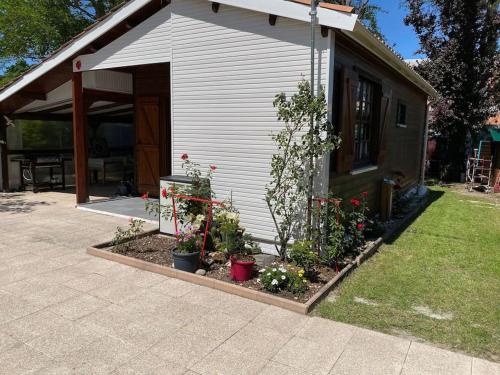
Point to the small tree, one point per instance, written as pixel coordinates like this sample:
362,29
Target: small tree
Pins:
286,194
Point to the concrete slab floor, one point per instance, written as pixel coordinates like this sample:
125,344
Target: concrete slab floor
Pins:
64,312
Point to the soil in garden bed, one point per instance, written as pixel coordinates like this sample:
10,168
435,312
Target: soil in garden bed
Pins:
157,248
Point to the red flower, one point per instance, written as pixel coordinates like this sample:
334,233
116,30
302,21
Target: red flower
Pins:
360,226
355,202
397,187
184,156
164,192
213,167
364,194
145,196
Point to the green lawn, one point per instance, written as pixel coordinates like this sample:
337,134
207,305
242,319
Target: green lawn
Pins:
446,263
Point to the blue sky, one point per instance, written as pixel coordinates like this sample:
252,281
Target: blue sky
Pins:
401,37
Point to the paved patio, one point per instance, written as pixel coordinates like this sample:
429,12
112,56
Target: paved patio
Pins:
65,312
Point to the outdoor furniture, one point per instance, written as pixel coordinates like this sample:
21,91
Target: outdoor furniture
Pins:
30,166
97,165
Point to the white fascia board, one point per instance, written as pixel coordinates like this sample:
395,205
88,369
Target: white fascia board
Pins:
84,40
365,38
297,11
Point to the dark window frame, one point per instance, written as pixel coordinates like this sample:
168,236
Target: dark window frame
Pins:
366,126
401,104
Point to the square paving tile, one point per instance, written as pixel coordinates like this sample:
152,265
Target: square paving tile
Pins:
149,364
79,306
7,342
51,296
483,367
308,356
257,341
88,282
217,325
29,327
183,348
275,368
117,292
64,340
281,320
174,287
427,360
13,307
101,357
221,362
22,360
372,353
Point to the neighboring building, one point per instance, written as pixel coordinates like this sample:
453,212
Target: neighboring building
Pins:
199,77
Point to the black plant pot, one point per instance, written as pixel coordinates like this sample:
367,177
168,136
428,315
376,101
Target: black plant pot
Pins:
187,262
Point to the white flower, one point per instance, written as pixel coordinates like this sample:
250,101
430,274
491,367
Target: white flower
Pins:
262,270
233,216
282,270
269,274
274,269
274,282
200,218
283,277
258,280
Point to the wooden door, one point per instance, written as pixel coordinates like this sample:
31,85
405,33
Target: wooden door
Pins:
147,125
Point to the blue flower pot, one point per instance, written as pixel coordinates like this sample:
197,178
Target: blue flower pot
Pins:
188,262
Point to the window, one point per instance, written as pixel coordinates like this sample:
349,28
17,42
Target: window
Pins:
364,125
401,115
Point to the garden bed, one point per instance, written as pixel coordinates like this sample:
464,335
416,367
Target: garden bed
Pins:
151,251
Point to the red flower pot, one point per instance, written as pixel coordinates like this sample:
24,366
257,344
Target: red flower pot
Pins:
241,270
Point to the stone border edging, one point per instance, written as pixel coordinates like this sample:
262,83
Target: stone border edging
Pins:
301,308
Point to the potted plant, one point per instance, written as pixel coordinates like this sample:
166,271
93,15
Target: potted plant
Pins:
236,244
186,254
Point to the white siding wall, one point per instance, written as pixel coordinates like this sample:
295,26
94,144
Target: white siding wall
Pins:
226,69
147,43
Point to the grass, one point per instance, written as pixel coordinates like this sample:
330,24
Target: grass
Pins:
447,262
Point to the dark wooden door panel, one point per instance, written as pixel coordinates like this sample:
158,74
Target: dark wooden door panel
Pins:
148,144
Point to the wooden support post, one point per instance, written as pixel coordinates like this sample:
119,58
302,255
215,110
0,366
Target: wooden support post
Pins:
80,140
4,155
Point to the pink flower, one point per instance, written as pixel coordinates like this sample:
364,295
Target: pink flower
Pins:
164,192
213,167
360,226
130,220
145,196
184,156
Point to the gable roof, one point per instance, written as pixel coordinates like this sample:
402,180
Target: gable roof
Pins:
339,17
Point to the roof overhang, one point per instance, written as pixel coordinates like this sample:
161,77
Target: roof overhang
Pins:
368,40
73,48
298,11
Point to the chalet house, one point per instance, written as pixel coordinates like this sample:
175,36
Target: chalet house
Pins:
199,77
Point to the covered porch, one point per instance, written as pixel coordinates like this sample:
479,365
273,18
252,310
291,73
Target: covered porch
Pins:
99,119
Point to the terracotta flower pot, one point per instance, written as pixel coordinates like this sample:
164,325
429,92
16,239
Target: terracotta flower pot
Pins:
188,262
241,270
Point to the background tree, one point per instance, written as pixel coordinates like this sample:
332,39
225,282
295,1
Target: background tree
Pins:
460,40
367,13
31,30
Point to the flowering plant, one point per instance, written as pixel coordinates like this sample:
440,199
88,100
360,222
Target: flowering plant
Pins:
355,221
277,277
188,240
123,237
301,253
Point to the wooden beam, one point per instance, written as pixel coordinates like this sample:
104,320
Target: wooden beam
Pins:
80,139
43,116
94,95
33,95
103,107
4,154
57,108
